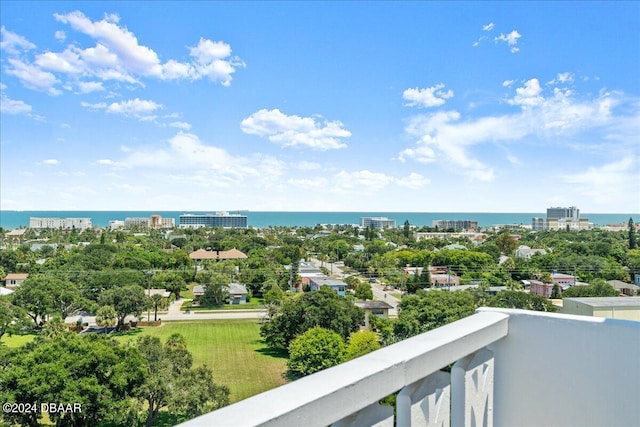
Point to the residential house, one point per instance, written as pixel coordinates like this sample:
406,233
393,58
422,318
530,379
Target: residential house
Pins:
563,279
237,293
162,292
377,308
444,280
540,288
626,289
315,283
13,280
526,252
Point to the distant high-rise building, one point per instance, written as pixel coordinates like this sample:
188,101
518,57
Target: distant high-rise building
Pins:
380,222
561,218
557,213
220,219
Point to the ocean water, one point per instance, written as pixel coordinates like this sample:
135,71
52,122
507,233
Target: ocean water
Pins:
17,219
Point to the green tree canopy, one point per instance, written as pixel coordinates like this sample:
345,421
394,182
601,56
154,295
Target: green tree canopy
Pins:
323,308
171,381
214,284
314,350
361,343
106,316
44,295
427,310
125,300
364,292
172,281
599,288
94,371
13,319
521,300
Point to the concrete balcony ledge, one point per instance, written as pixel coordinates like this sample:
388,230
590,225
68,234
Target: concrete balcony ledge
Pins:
512,367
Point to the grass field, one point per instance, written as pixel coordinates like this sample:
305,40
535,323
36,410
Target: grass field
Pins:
232,348
16,340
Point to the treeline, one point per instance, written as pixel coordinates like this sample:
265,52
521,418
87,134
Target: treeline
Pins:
100,382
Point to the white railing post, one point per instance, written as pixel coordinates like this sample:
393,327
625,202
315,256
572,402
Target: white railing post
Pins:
472,390
425,403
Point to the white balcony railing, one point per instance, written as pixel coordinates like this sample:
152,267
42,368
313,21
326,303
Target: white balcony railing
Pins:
511,368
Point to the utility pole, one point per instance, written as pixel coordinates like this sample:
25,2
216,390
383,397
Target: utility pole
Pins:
148,273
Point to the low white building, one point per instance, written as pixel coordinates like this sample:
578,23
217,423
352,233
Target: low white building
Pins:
60,223
626,308
526,252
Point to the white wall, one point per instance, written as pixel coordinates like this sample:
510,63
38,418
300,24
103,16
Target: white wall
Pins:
564,370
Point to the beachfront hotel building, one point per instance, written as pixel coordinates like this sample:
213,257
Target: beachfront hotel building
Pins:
456,224
379,222
561,218
220,219
154,221
60,223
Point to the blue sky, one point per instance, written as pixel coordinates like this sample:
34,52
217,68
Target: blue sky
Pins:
325,106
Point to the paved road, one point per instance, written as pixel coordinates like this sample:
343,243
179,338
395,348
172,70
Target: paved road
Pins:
176,313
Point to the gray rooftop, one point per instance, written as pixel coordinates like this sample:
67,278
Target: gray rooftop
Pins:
373,304
608,301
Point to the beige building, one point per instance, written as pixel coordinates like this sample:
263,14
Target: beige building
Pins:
626,308
13,280
376,308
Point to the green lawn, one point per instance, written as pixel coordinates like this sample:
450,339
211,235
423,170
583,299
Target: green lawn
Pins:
232,348
16,340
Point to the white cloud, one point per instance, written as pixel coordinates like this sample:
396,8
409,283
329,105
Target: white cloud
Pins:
33,77
118,55
295,131
96,106
210,61
180,125
563,78
123,43
609,182
363,181
413,181
426,97
307,166
513,160
138,108
133,107
488,27
444,137
186,152
510,39
11,106
507,83
88,87
51,162
529,94
13,43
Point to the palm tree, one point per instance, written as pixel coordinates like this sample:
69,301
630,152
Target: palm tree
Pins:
106,316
